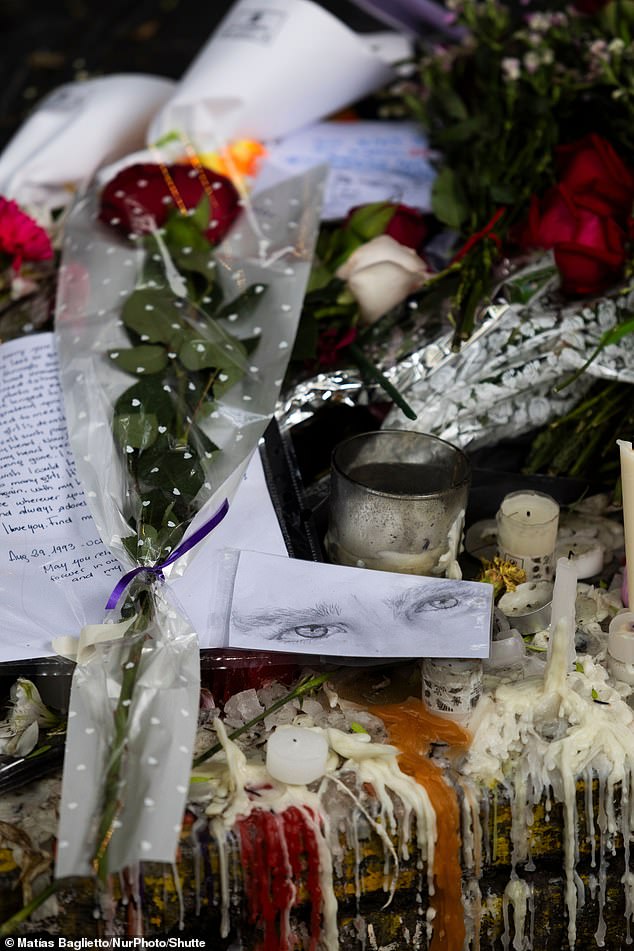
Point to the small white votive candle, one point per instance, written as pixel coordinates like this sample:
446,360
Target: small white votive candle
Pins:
620,653
527,525
296,756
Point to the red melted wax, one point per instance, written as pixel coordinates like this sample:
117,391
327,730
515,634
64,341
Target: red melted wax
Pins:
279,849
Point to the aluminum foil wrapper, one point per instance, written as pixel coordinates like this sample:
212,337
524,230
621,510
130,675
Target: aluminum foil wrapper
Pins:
504,379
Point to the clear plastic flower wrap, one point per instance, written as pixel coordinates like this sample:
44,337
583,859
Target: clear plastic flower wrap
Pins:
172,353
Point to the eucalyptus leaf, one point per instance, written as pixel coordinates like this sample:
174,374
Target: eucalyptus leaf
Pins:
140,360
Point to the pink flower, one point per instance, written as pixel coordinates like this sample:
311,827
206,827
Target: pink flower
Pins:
20,237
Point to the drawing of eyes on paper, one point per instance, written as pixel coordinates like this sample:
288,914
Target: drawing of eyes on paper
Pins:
330,610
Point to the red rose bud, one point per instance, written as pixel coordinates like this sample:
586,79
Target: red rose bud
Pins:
408,227
139,198
589,249
596,178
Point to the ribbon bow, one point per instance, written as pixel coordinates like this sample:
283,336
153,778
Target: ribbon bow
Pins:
179,551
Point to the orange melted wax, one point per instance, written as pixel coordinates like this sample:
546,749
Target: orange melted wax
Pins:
413,728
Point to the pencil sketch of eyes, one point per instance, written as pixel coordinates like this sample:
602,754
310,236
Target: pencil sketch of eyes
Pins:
295,624
420,600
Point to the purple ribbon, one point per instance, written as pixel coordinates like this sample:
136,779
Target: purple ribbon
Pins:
178,552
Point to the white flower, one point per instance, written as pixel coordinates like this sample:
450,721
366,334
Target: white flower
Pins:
531,62
380,274
511,68
19,733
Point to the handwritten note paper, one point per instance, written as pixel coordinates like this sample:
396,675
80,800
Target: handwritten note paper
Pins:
51,553
368,161
55,571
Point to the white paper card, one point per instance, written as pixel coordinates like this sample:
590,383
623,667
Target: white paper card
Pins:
368,161
272,66
307,607
55,572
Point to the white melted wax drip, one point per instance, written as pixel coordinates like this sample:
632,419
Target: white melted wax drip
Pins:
538,738
232,778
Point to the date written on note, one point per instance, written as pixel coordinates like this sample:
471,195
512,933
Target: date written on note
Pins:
68,561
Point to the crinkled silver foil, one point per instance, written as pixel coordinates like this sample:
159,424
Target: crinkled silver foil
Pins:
504,380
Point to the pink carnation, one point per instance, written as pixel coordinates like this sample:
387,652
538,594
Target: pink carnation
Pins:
20,237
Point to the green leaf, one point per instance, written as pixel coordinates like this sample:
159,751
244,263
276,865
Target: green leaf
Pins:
140,360
243,305
153,313
148,395
199,354
357,728
448,201
181,231
143,547
202,213
451,102
461,132
371,220
138,430
175,471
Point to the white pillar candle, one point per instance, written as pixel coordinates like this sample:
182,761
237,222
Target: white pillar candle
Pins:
627,489
296,756
527,532
562,617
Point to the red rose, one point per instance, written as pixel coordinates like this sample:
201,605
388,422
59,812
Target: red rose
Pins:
589,248
408,227
139,198
596,178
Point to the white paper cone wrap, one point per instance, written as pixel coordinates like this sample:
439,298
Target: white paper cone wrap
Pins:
75,130
271,67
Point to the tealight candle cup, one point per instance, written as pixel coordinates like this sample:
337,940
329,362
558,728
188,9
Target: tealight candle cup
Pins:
527,525
296,755
397,502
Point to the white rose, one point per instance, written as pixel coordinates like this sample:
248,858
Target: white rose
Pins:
380,274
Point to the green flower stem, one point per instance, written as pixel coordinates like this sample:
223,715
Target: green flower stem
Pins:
303,688
9,926
112,786
368,368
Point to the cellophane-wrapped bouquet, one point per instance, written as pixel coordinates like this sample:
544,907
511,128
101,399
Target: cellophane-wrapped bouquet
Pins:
177,308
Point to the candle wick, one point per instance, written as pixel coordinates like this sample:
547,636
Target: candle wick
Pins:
571,554
528,515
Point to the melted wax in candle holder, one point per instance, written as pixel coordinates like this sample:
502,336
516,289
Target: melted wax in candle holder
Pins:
397,502
527,532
